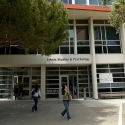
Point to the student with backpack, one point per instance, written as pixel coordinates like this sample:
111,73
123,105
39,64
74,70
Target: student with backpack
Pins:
66,98
35,94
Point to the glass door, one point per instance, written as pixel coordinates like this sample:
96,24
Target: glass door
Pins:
26,87
15,81
64,80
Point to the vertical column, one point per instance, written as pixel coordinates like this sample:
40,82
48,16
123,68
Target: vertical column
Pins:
75,38
122,35
73,1
87,2
43,76
92,48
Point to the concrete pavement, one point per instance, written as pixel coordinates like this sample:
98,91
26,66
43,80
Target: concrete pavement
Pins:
89,112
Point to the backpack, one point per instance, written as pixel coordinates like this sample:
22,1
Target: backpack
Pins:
33,92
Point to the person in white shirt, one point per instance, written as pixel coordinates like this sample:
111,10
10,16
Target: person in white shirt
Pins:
35,93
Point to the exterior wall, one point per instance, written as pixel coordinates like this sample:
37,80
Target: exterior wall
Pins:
74,60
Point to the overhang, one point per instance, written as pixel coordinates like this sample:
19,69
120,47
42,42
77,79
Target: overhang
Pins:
76,11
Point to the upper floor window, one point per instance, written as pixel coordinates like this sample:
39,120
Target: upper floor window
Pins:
83,46
80,1
98,2
67,1
106,40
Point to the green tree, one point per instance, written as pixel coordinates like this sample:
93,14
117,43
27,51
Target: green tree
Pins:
104,2
117,14
33,24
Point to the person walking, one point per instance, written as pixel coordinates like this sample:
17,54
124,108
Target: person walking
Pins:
16,91
20,91
66,94
35,93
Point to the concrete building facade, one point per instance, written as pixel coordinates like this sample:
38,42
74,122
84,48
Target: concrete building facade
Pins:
93,57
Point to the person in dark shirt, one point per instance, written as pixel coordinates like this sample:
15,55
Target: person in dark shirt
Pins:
20,90
16,91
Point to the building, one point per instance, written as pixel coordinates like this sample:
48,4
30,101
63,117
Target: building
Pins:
93,48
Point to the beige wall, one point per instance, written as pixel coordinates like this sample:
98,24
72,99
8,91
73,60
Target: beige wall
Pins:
58,59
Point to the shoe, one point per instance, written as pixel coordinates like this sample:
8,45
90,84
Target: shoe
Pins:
62,115
69,119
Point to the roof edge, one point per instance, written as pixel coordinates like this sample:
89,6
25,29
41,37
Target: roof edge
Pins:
87,7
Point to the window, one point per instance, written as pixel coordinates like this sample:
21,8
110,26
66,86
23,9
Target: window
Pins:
80,1
68,44
82,40
106,40
118,74
67,1
93,2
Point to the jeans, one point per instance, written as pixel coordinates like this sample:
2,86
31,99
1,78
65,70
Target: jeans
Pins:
66,110
16,95
36,102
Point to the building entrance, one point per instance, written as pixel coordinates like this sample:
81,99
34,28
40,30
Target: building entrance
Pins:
25,80
71,82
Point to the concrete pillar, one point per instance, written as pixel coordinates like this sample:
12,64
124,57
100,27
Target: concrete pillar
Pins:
122,36
43,78
87,2
92,48
73,1
75,38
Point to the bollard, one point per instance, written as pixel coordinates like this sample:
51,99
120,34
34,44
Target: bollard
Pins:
84,91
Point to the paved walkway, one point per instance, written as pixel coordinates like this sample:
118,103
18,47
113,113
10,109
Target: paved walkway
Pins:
82,112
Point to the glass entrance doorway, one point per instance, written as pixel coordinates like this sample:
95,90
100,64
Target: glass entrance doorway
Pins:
25,80
26,87
64,80
73,87
71,82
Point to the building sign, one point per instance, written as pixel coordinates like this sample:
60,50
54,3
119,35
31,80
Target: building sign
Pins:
68,59
105,78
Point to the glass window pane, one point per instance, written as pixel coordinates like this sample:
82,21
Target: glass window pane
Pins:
111,33
52,68
97,33
64,50
82,33
83,50
114,49
104,49
80,1
9,69
102,66
103,33
70,21
104,90
81,21
116,65
113,42
98,21
71,50
86,43
98,49
68,68
64,1
93,2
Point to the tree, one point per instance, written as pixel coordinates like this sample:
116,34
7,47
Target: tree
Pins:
117,14
104,2
33,24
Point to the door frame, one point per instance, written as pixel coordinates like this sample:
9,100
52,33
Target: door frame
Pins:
27,88
60,85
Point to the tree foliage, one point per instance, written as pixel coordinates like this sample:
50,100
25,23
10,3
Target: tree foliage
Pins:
33,24
104,2
117,14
